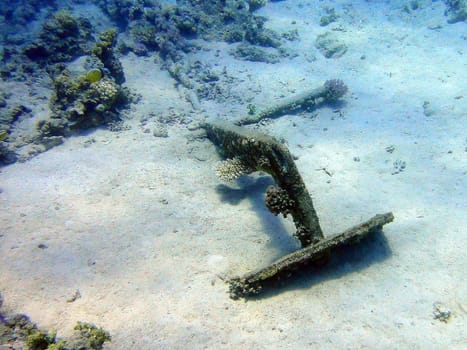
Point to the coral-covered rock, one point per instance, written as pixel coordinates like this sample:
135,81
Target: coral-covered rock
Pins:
254,53
330,45
78,103
63,37
20,13
256,4
456,10
104,50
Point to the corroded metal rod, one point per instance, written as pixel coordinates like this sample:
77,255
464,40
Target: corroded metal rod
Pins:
258,151
264,153
331,91
252,283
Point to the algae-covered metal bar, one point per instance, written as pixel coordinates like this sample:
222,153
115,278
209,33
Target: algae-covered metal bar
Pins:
260,152
331,91
252,283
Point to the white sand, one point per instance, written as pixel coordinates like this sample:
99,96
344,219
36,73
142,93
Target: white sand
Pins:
143,229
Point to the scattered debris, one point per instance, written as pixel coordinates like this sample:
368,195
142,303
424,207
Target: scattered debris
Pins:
441,312
428,109
398,167
328,173
76,295
329,17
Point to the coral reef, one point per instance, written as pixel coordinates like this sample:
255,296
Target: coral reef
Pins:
257,34
39,340
254,53
104,50
63,38
9,114
77,103
124,11
85,101
18,332
456,10
166,28
19,13
82,100
256,4
151,26
89,336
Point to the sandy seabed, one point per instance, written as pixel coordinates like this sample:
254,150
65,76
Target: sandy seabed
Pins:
145,231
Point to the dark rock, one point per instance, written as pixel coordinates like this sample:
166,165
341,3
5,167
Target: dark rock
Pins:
456,10
330,45
20,13
329,17
335,89
256,34
52,141
79,104
63,38
255,54
104,50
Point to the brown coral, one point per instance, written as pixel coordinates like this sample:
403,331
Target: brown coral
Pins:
335,89
278,201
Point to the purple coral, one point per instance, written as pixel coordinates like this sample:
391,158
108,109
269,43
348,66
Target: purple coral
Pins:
335,89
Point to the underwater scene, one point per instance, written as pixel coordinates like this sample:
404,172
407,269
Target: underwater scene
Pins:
233,174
